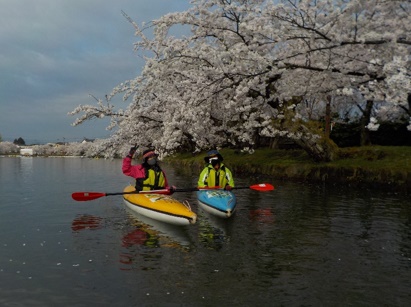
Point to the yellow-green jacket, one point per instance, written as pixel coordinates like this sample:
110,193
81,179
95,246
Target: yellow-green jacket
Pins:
211,178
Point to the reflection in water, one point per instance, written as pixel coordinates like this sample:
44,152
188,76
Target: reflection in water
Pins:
86,221
171,235
25,172
136,237
212,231
134,241
142,244
263,215
26,165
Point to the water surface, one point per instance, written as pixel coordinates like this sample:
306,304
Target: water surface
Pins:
300,245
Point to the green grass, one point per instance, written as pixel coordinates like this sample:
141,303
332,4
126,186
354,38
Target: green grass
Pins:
376,157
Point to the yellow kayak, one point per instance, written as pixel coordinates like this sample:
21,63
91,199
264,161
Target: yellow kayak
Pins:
159,207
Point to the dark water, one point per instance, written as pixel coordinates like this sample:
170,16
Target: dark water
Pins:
299,245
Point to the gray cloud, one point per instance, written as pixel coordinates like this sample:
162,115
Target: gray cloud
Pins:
53,53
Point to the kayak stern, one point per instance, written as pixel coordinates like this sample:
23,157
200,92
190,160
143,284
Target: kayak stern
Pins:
220,203
160,207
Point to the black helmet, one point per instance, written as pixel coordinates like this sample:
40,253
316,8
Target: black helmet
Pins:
213,154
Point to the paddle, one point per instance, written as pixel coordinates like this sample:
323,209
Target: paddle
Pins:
86,196
257,187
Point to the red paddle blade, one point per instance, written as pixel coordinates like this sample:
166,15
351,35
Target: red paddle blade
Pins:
85,196
262,187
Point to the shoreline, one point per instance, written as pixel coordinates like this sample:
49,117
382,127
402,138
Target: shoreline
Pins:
355,177
387,168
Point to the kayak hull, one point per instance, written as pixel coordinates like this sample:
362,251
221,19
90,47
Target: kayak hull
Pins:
220,203
159,207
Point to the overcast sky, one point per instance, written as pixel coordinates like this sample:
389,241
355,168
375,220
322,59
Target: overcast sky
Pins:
54,53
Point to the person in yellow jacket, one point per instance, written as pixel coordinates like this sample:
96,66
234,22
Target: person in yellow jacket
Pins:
215,173
148,175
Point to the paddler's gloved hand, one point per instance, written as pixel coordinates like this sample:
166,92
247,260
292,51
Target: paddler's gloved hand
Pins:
172,189
228,187
132,151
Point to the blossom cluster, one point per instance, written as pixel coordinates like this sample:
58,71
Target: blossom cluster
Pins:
242,69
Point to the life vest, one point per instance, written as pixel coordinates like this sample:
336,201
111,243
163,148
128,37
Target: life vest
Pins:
216,178
154,179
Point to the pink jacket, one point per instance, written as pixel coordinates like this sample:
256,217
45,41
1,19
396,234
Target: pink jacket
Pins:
136,171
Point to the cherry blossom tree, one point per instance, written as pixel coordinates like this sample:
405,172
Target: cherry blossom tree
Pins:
245,68
8,148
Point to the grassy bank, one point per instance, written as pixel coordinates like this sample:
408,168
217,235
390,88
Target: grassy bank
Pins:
373,166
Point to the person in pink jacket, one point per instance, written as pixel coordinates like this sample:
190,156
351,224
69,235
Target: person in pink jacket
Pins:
148,174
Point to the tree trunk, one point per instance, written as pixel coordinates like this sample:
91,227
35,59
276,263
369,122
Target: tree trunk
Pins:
256,139
365,139
327,130
321,149
274,142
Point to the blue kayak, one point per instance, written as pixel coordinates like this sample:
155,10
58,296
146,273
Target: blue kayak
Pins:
217,202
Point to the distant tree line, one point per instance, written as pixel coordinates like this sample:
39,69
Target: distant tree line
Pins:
19,142
85,149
